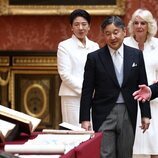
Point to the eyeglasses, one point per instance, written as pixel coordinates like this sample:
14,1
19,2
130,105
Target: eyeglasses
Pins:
140,22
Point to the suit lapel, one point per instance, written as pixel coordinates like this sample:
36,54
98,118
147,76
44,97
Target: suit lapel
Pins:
106,60
128,60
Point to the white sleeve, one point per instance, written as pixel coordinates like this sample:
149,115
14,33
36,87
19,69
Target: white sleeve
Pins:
64,69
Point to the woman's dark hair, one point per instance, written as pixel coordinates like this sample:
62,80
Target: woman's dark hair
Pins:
117,21
81,13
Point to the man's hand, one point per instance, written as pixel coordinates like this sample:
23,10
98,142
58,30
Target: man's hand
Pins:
145,124
143,94
86,125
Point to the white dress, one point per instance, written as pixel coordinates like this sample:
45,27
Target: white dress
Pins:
147,143
71,59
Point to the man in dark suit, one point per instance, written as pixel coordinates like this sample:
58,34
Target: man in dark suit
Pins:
108,89
146,93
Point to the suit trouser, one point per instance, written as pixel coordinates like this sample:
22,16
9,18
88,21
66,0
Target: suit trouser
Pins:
118,135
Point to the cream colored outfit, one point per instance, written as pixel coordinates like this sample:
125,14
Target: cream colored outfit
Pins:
147,143
71,58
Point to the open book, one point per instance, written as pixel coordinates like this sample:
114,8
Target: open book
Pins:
25,123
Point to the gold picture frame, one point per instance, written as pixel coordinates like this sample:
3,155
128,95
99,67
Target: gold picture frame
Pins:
94,7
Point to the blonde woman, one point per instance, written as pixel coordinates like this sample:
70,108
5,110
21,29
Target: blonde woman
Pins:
142,28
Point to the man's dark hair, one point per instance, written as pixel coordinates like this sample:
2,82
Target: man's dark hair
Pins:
117,21
80,12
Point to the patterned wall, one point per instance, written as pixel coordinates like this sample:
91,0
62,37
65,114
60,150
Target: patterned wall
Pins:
45,32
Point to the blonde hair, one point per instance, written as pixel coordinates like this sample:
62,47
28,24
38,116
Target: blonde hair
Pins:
147,17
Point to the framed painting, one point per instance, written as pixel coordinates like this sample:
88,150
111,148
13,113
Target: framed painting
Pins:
61,7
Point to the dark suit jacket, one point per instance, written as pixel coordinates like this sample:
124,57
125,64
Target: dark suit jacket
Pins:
101,89
154,89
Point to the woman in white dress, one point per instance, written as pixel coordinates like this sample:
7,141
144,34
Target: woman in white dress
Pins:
142,28
71,58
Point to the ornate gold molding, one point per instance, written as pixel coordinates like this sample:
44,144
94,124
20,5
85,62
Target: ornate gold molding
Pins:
29,82
4,61
25,71
34,61
29,96
6,9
